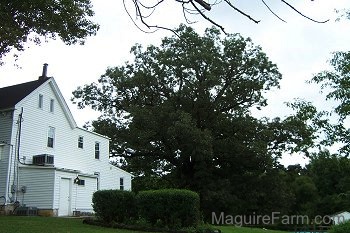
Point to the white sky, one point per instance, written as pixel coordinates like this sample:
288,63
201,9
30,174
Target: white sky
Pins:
300,48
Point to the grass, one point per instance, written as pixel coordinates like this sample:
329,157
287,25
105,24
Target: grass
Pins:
15,224
232,229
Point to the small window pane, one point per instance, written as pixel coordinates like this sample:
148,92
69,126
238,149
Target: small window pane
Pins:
97,180
51,137
121,183
97,150
81,142
41,101
52,105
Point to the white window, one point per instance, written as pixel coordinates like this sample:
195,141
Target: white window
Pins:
97,180
51,137
81,142
52,105
41,101
121,183
97,150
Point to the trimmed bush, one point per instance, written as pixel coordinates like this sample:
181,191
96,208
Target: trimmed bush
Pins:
341,228
173,208
114,205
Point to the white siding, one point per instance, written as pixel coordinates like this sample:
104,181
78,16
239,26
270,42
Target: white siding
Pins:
81,196
6,119
110,178
40,187
35,125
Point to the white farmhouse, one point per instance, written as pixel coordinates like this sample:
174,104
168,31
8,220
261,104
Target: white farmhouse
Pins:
46,161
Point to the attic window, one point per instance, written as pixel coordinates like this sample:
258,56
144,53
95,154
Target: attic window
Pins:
41,101
52,105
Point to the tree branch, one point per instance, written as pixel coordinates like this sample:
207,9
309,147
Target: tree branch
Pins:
241,12
303,14
204,4
273,12
207,18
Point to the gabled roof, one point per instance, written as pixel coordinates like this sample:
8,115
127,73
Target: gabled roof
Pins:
11,95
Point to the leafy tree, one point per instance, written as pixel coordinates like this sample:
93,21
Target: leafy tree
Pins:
336,84
306,196
37,20
330,174
181,111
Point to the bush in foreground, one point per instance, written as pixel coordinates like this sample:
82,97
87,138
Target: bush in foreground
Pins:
114,205
341,228
173,208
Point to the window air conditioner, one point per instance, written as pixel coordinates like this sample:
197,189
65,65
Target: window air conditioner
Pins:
43,159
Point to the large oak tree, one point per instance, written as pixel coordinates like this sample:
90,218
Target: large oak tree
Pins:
181,111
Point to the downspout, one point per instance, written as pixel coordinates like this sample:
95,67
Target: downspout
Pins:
20,118
9,168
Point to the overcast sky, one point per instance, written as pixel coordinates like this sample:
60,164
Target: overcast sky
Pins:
300,48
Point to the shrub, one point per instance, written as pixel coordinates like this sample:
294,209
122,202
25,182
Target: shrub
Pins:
174,208
341,228
114,205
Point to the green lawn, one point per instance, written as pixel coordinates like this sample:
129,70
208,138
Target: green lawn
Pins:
231,229
14,224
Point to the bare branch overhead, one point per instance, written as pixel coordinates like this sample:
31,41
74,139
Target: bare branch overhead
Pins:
144,10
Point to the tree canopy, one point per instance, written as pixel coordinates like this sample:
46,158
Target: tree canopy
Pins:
335,85
35,20
181,111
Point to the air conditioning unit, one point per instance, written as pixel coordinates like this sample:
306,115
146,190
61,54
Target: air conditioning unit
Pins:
43,159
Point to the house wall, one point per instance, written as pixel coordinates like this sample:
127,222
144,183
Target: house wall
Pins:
35,125
111,179
6,119
81,195
67,156
39,187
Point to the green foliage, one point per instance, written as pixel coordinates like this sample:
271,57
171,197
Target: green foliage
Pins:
150,182
340,228
114,205
173,208
330,174
36,20
181,112
306,196
335,84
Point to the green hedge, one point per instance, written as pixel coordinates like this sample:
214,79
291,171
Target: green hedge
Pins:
114,205
173,208
341,228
